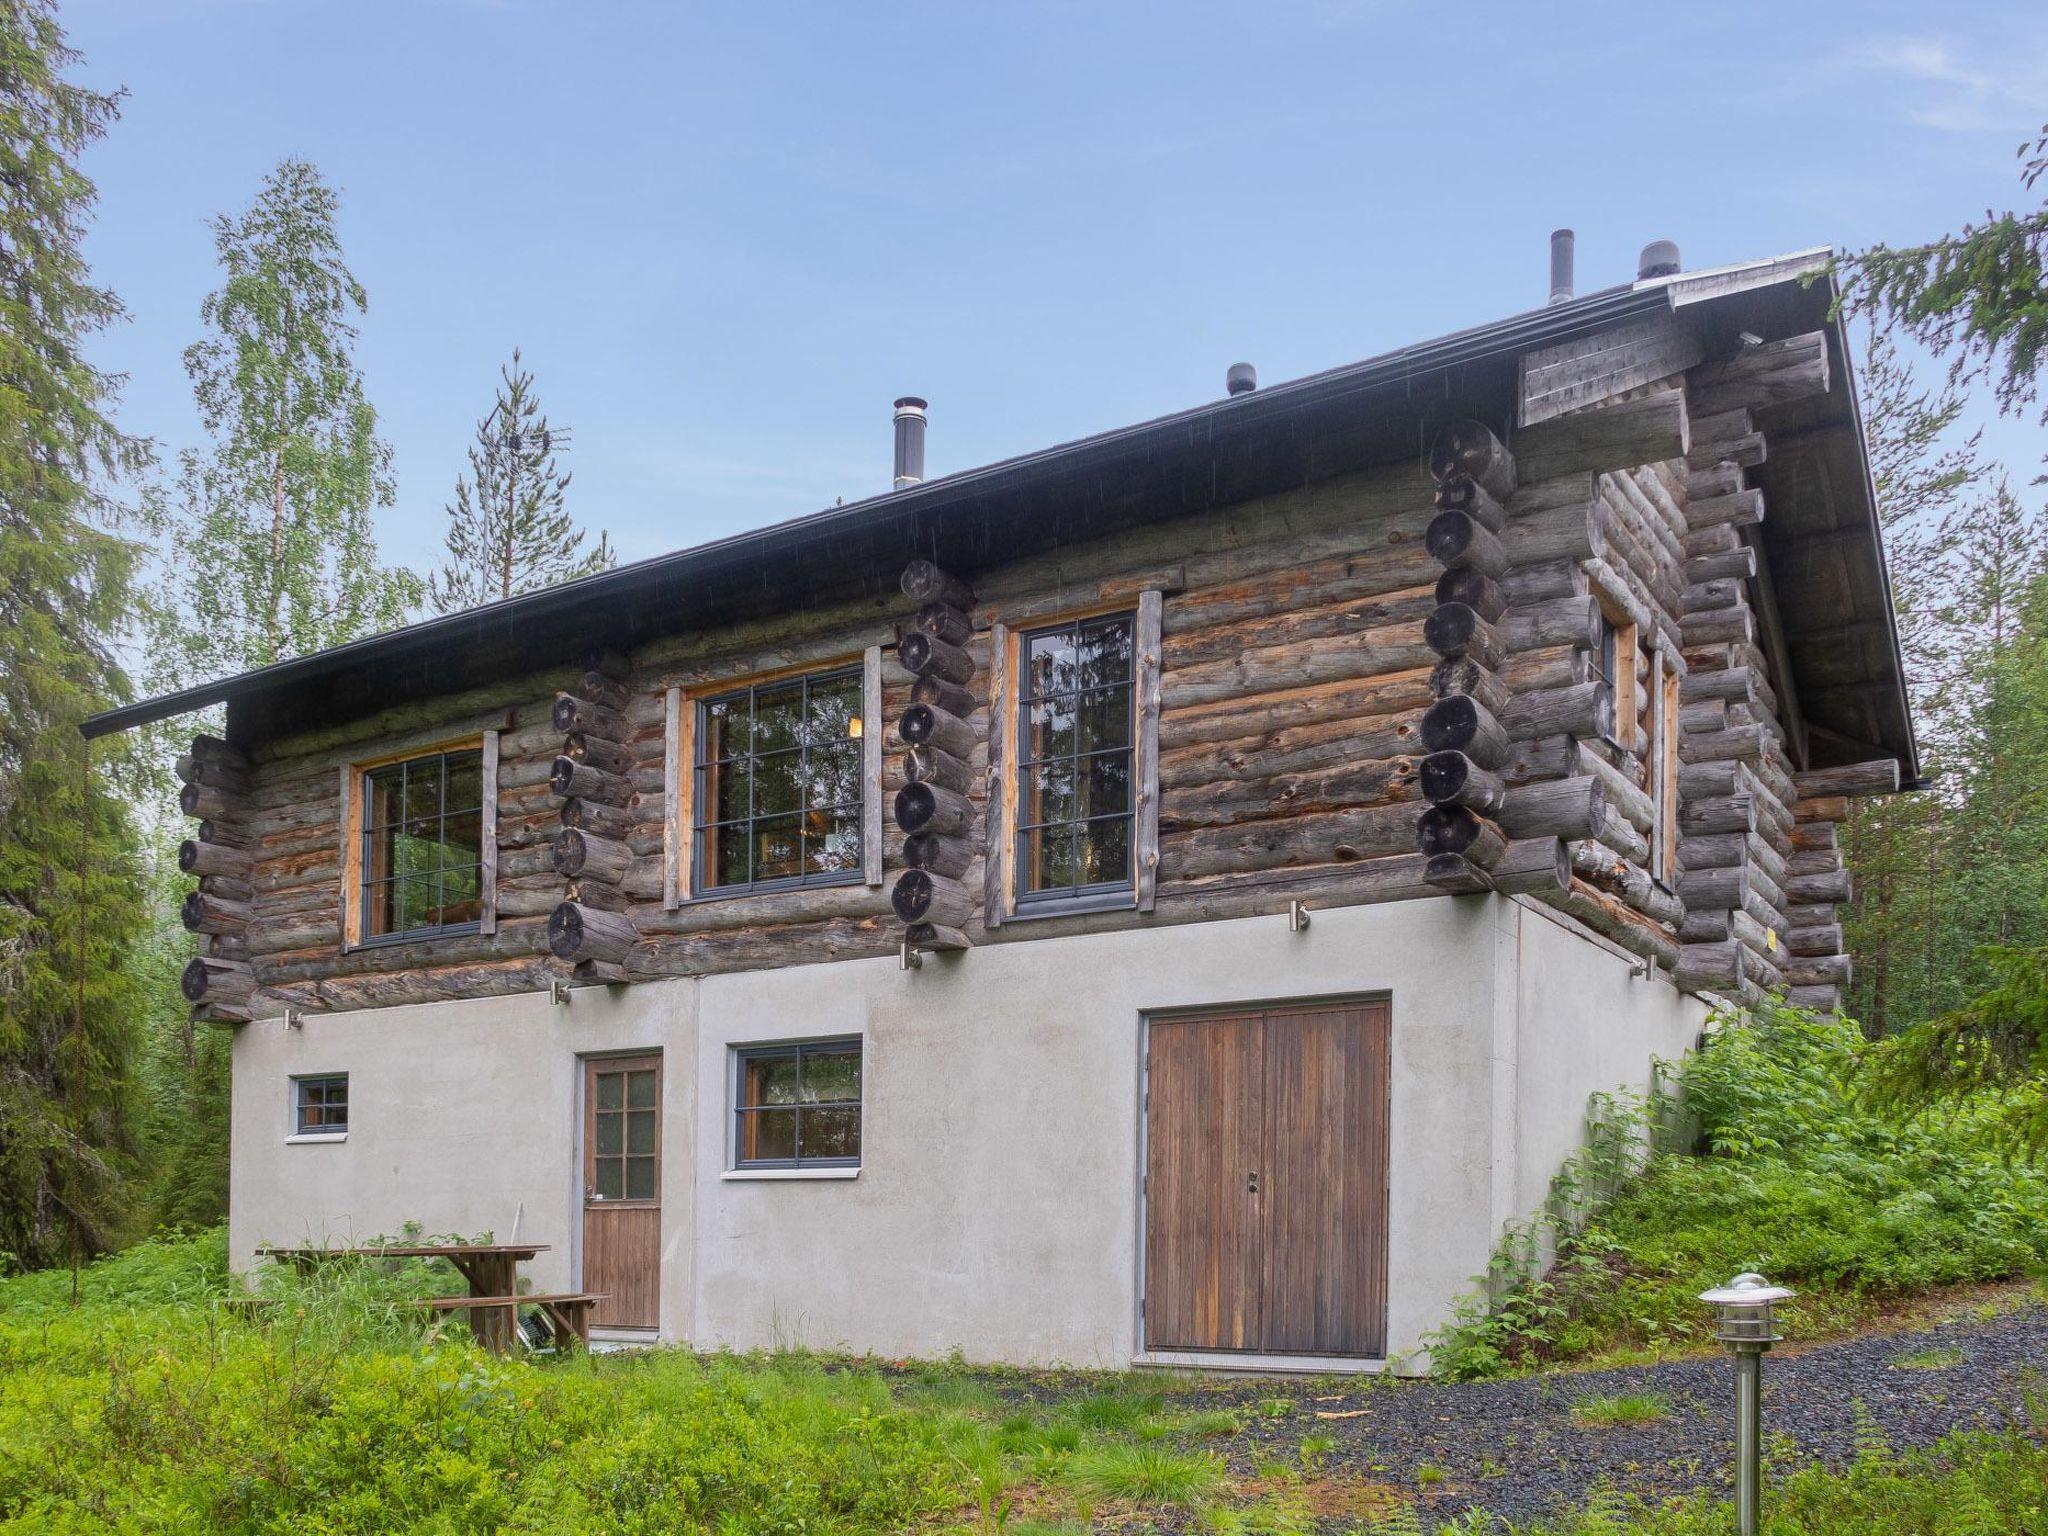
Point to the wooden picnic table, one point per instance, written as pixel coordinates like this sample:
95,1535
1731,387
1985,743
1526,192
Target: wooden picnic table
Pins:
492,1270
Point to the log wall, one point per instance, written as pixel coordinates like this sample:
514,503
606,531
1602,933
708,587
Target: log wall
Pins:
1377,687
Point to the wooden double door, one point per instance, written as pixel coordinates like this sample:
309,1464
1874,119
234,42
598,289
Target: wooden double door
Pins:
622,1189
1266,1181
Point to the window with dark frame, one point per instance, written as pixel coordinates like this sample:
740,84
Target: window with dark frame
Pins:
1075,734
320,1105
778,785
422,854
798,1106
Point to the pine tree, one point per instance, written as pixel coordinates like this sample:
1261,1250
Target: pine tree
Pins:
508,528
275,554
71,910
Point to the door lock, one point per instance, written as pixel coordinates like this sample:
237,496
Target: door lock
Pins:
1252,1182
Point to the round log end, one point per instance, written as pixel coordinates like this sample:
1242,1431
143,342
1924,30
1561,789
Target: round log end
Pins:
564,713
194,980
193,912
569,852
188,854
1444,775
562,775
915,806
1449,629
1448,536
188,799
912,895
916,724
915,651
1450,723
565,931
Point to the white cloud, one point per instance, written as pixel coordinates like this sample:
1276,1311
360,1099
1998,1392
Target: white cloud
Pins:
1956,90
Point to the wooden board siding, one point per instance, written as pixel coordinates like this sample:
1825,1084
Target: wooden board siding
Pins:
1266,1182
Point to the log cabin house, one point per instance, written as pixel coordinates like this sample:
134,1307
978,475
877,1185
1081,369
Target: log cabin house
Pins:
1167,898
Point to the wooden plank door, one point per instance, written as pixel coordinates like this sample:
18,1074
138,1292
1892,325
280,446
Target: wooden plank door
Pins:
1266,1182
1205,1094
622,1189
1323,1183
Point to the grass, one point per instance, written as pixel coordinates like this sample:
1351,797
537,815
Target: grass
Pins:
1929,1360
1625,1409
1146,1474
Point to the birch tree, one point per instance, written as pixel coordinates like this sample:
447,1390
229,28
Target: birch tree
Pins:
275,553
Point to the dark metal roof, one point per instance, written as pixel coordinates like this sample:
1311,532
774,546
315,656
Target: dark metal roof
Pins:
1226,451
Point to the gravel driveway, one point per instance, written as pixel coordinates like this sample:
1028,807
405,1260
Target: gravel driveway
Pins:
1516,1448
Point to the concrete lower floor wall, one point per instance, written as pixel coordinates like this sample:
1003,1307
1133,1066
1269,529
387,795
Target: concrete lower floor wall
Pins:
998,1208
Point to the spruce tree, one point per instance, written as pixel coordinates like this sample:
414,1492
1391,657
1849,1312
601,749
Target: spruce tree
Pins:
71,907
508,528
275,553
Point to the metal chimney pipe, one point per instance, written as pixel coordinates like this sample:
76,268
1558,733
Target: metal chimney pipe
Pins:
1241,378
1659,259
1562,245
910,423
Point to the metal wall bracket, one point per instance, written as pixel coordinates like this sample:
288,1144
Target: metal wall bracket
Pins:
293,1019
1297,917
558,992
911,957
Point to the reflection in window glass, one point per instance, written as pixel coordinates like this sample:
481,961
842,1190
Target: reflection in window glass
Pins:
423,843
1075,724
320,1105
799,1105
779,784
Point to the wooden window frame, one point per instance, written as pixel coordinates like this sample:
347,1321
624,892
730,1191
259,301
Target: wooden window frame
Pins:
682,867
1004,897
326,1080
832,1045
354,784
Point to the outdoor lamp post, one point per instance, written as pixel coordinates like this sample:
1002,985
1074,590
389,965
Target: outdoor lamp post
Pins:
1745,1322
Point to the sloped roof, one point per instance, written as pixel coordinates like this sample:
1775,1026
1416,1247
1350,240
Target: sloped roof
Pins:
1215,454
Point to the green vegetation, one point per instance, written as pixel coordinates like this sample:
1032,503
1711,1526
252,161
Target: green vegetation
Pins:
1782,1162
1627,1408
1929,1360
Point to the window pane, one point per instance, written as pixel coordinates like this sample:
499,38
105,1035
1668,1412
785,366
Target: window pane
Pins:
830,1076
465,781
1104,653
462,838
461,895
640,1089
416,900
1106,784
830,1133
1106,718
778,784
1049,857
611,1135
1049,792
728,787
1053,664
422,799
611,1090
831,776
1051,729
639,1178
832,842
1105,852
778,852
778,718
770,1080
611,1178
640,1131
380,806
768,1135
725,858
834,707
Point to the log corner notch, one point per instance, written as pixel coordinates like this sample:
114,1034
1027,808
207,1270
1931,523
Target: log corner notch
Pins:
593,778
219,982
932,808
1474,475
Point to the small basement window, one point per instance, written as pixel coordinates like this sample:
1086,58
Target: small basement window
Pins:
422,842
320,1105
798,1106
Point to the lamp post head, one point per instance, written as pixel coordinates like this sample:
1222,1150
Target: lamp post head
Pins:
1744,1312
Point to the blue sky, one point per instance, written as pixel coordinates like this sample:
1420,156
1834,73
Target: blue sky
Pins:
726,237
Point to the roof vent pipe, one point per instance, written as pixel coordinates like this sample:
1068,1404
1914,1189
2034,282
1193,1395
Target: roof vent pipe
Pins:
910,422
1241,378
1659,259
1562,243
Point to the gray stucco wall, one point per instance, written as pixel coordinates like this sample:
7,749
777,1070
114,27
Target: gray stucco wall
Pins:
997,1208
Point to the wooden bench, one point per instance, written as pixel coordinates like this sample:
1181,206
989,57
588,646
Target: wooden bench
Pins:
568,1313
